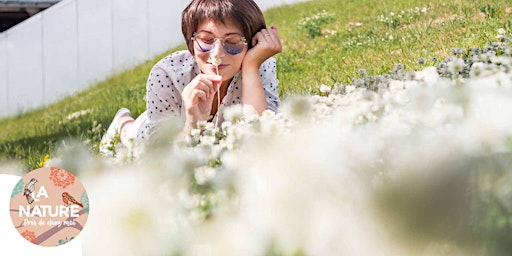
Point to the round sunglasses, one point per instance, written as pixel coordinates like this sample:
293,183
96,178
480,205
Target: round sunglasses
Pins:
232,44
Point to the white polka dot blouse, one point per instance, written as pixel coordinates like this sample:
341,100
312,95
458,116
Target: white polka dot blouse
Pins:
169,77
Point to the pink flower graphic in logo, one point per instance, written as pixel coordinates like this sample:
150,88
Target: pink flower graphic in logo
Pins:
29,235
61,178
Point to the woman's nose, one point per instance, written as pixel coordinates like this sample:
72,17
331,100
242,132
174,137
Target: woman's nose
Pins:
217,50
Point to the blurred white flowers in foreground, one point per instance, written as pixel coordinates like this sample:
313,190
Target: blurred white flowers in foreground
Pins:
419,166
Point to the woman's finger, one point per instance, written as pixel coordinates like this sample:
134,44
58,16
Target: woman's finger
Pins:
205,87
208,86
269,38
211,81
203,82
276,42
197,94
275,36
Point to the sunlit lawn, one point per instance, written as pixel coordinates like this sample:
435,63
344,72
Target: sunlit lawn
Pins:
360,35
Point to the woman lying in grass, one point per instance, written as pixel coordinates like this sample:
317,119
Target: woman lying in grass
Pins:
228,61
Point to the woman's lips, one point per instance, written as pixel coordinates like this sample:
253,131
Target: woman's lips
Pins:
221,66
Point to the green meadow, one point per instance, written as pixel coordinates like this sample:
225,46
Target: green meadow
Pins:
324,42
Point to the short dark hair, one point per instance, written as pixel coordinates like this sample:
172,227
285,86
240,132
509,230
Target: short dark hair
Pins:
244,13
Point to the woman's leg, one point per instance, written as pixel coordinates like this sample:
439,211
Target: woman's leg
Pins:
113,134
125,124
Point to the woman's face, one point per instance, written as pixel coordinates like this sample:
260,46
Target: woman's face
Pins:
230,64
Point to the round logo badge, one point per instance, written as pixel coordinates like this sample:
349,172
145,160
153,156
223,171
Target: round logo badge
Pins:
49,206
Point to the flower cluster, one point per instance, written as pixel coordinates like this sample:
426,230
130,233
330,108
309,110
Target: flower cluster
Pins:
410,163
43,161
362,40
314,24
476,62
464,63
394,20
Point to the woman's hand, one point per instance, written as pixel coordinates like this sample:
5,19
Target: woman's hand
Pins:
266,43
198,97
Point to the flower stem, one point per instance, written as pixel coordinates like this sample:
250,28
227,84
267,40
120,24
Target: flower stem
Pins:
217,62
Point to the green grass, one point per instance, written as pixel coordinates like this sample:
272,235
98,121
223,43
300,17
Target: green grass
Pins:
305,63
308,62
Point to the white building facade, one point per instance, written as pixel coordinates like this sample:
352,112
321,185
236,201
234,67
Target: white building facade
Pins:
77,43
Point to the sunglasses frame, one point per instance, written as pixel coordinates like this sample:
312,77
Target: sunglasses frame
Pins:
222,40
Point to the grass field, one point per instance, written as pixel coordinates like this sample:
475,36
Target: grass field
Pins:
325,42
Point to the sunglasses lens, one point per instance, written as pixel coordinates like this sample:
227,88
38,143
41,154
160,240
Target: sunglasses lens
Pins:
233,45
234,49
203,47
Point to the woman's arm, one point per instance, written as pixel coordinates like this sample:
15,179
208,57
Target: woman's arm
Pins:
253,95
163,101
266,43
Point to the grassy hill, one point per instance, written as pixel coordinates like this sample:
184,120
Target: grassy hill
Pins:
325,42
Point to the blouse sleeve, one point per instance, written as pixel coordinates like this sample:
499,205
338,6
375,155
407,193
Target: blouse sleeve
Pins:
270,83
163,99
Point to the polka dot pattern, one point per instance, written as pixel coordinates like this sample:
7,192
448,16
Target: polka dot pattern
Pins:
170,75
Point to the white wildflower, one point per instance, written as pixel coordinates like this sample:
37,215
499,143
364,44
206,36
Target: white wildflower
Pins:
208,140
396,85
427,76
204,174
226,124
325,89
350,88
195,132
75,115
233,113
456,66
209,126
